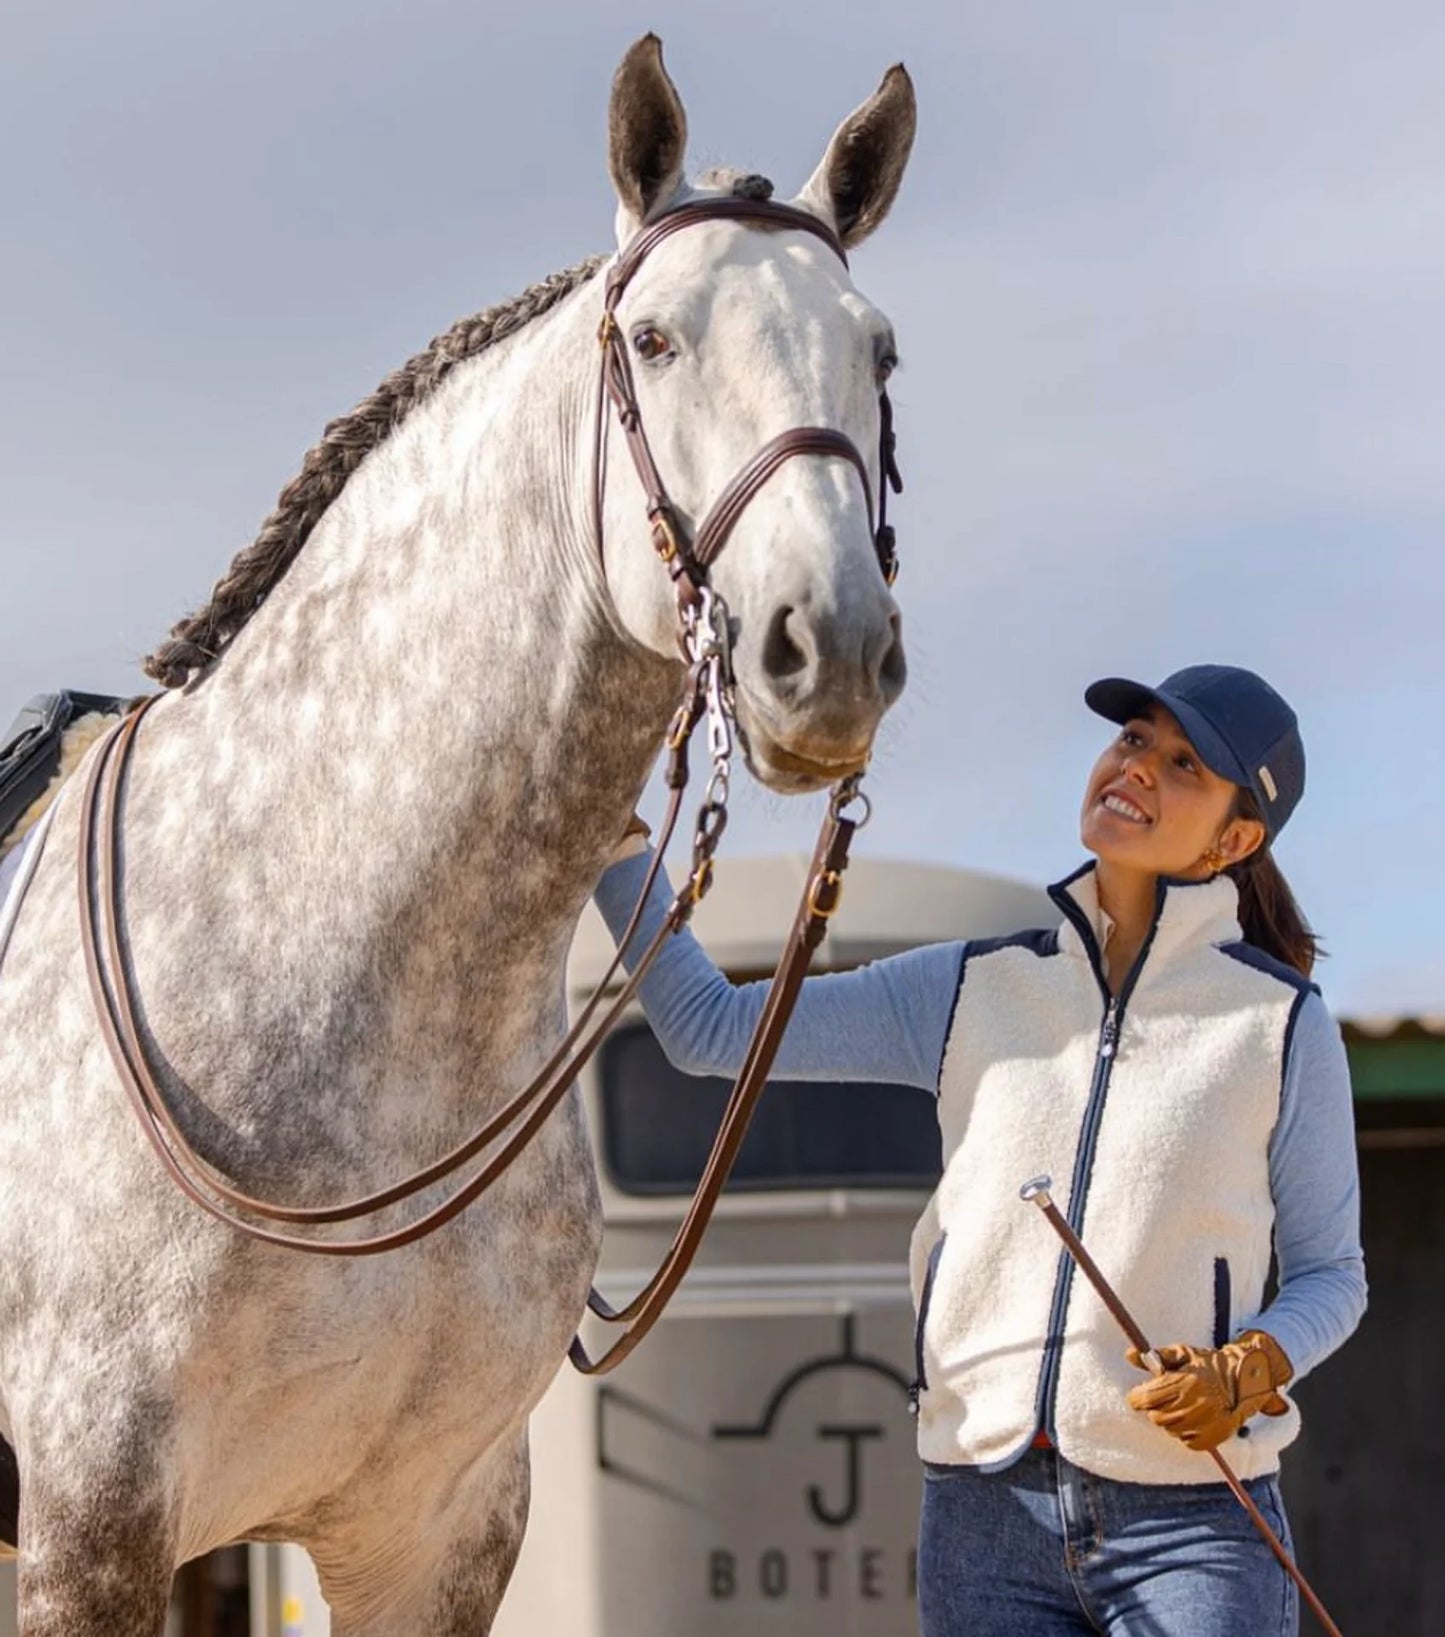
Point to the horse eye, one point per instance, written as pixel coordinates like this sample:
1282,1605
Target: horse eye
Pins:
886,366
651,344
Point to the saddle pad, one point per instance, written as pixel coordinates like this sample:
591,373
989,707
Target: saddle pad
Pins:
30,751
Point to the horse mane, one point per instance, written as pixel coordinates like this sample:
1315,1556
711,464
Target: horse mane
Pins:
197,640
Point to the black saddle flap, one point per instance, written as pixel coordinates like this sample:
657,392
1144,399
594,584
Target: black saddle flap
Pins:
30,751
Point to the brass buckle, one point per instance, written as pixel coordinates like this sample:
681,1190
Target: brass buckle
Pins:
681,730
830,881
664,537
609,329
701,881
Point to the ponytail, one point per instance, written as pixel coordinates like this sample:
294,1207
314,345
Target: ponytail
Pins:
1269,917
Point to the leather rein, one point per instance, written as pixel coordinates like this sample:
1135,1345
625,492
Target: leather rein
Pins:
708,694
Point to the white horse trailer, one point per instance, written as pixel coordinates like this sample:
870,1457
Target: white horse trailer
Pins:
750,1469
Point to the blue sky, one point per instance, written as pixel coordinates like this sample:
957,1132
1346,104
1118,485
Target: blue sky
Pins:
1169,282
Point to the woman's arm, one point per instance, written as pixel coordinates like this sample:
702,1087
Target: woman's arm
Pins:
886,1021
1314,1178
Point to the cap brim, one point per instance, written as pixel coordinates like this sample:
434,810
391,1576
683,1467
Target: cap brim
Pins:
1119,700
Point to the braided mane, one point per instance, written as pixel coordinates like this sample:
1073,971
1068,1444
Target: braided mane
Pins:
201,637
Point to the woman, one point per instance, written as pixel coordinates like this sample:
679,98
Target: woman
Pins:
1164,1056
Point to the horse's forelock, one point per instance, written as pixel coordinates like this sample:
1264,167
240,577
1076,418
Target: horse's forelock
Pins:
738,184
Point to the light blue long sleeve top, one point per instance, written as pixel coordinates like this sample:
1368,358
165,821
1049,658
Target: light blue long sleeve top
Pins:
889,1021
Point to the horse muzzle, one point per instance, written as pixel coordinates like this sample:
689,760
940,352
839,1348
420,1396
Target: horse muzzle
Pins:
792,760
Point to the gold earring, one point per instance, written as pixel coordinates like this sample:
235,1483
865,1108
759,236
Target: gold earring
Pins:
1213,860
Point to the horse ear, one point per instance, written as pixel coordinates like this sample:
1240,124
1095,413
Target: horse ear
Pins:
857,182
646,131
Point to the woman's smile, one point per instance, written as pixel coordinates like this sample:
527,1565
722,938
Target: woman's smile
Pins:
1116,801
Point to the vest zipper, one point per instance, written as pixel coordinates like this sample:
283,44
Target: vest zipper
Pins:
1083,1163
1113,1022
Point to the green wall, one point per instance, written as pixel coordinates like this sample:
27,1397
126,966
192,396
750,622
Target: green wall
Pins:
1412,1067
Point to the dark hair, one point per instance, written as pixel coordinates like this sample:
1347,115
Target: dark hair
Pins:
1268,914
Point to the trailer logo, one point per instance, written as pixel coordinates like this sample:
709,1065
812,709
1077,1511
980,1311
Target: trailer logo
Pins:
833,1514
798,1484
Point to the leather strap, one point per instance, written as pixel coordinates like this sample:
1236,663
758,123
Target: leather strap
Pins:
730,504
755,212
197,1179
98,881
825,882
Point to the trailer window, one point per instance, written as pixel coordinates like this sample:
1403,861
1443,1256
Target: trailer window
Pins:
658,1125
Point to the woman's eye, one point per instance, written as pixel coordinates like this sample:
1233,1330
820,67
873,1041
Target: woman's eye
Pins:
886,366
1187,763
650,344
1129,737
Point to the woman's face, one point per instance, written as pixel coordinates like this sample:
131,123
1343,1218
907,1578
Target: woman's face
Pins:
1152,805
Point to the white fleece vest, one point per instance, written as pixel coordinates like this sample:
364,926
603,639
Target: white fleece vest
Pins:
1159,1158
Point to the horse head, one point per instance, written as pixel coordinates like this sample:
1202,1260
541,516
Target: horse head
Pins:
733,336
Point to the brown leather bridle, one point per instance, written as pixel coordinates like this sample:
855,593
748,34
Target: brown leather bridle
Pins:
688,560
509,1130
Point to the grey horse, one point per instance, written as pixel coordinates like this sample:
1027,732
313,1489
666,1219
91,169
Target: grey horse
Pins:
356,841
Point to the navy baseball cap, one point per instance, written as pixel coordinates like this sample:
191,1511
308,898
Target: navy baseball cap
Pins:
1240,726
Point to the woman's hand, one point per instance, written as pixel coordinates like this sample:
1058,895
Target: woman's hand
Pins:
1206,1393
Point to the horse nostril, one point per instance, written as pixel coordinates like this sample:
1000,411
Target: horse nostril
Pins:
787,648
893,668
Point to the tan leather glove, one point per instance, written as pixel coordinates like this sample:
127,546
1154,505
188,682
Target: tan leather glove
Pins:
633,840
1206,1393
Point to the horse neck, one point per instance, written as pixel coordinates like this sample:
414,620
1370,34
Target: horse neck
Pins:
428,738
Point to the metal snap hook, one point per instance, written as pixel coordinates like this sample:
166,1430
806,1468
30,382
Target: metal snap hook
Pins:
844,797
717,789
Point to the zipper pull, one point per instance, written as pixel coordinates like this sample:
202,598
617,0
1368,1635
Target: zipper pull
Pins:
1109,1039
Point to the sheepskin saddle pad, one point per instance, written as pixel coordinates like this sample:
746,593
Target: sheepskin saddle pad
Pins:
42,748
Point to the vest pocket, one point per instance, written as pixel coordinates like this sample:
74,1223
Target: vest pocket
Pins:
1221,1301
930,1273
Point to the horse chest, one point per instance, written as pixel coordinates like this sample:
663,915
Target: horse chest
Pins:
407,1365
489,1295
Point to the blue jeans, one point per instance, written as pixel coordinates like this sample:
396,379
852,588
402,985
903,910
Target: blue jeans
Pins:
1045,1548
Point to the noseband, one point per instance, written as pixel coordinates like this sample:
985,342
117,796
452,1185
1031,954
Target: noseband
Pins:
689,559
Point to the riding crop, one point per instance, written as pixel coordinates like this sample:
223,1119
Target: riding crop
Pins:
1036,1192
